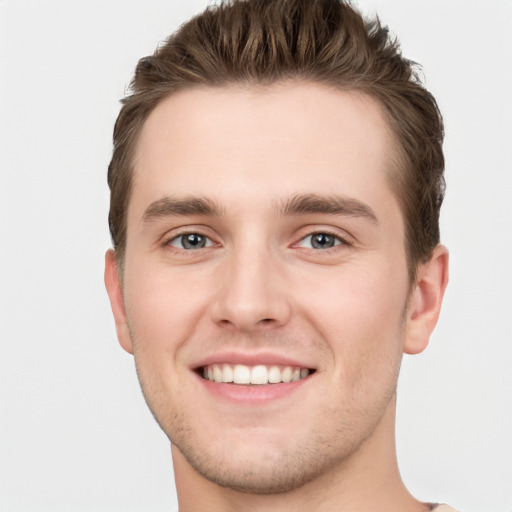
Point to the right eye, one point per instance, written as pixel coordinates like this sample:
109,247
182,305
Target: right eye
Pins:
321,241
190,241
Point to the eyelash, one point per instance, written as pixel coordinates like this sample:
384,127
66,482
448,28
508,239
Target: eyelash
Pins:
339,241
168,241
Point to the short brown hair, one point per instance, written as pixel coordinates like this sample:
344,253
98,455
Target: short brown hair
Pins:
317,41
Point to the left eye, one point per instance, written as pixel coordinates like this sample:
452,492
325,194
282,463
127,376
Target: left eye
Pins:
190,241
320,241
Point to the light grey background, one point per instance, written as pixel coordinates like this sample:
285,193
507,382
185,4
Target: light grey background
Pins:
75,434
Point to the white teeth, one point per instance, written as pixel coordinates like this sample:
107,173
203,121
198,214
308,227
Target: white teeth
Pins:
242,374
256,375
227,373
217,373
274,375
286,374
259,375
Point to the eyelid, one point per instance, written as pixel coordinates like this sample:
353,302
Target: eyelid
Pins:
173,234
209,242
344,238
337,241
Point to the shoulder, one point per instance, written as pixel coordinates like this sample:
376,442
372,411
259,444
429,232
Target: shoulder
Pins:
444,508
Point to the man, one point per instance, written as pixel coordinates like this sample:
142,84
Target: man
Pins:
275,184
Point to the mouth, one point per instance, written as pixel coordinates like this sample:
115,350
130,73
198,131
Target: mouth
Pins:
257,375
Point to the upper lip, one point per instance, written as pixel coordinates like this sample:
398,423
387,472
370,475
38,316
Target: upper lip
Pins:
251,359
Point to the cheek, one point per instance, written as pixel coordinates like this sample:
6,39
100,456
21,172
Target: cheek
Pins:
162,311
358,311
163,307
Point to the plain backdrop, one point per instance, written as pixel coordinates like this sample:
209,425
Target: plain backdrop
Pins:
75,433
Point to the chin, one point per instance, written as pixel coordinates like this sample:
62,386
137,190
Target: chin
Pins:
261,465
280,473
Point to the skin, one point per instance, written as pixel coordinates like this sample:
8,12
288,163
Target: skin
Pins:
260,287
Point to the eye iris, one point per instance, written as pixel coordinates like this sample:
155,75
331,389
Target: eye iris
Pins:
193,241
322,241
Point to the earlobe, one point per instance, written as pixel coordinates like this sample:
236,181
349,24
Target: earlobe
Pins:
115,294
425,301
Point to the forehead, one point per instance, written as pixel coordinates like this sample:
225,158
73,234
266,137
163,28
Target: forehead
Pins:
238,143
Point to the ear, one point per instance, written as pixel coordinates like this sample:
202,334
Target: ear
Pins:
115,294
425,301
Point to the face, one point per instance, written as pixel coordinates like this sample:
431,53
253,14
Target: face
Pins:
265,286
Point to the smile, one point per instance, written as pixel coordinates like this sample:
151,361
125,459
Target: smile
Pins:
253,375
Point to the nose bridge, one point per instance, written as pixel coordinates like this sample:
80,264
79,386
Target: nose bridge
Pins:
252,295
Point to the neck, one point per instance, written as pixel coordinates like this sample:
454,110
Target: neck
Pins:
368,480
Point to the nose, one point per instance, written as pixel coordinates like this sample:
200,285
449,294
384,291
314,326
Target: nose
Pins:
252,295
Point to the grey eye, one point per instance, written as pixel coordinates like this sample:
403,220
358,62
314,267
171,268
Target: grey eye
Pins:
320,241
191,241
323,241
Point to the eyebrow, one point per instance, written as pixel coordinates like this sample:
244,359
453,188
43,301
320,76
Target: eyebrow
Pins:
326,204
296,205
178,207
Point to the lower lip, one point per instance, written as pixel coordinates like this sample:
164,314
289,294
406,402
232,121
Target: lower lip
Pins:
255,394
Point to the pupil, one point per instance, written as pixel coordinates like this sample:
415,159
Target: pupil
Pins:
322,241
193,241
